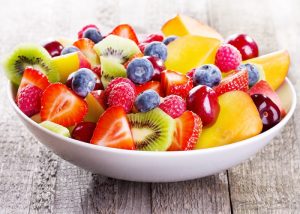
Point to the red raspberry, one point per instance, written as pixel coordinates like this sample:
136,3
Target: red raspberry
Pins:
190,74
122,95
173,105
80,33
153,38
29,100
116,81
228,58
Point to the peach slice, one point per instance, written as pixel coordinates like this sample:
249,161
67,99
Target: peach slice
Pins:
238,120
182,25
190,51
96,105
275,65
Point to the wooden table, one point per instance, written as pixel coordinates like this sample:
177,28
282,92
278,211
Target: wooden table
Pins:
34,180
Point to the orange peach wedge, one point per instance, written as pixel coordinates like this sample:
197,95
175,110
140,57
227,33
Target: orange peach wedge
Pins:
238,120
275,65
182,25
190,51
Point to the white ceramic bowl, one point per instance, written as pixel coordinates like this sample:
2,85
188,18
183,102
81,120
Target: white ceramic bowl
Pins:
156,166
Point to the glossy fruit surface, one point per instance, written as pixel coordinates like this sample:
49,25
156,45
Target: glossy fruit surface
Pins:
83,82
158,66
96,105
253,73
80,33
154,85
173,105
126,31
93,34
228,58
147,100
69,49
153,38
203,101
54,48
140,70
84,131
86,46
245,44
209,75
156,49
169,39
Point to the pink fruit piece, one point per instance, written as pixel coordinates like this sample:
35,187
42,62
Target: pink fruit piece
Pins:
116,81
228,58
173,105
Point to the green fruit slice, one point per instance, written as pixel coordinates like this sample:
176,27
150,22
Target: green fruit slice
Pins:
56,128
117,48
29,55
152,131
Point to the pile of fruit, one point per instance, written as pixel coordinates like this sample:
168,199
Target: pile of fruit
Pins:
186,89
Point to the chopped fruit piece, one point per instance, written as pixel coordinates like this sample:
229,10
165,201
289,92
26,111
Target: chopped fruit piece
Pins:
147,100
80,33
122,95
275,66
191,51
86,46
176,83
156,49
228,58
113,130
191,73
245,44
125,31
262,87
93,34
54,48
116,81
187,131
182,25
152,131
153,38
173,105
238,120
158,66
69,63
60,105
56,128
209,75
203,101
29,100
84,131
154,85
36,118
142,46
96,105
140,70
268,111
235,81
83,82
97,71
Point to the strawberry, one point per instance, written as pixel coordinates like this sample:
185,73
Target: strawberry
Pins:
60,105
190,74
153,38
155,85
34,77
116,81
113,130
237,81
262,87
173,105
29,100
176,83
80,33
188,129
126,31
86,46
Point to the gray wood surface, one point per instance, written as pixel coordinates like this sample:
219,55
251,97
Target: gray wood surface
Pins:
34,180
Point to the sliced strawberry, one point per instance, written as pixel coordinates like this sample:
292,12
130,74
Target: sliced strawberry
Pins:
126,31
34,77
155,85
153,38
80,33
237,81
60,105
188,129
86,46
262,87
176,83
113,130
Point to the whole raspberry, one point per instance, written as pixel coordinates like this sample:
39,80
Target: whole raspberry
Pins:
116,81
173,105
228,58
122,95
29,100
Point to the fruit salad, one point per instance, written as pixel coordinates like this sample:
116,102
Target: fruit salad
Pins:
183,89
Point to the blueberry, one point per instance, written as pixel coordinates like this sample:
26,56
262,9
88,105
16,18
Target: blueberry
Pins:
83,82
70,49
140,70
93,34
147,100
209,75
253,72
157,49
169,39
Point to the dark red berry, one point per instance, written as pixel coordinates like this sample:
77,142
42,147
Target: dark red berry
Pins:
54,48
153,38
84,131
158,66
268,110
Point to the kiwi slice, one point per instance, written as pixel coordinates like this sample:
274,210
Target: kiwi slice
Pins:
111,69
29,55
56,128
152,131
117,48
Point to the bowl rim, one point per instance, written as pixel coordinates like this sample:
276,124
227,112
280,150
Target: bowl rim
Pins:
235,145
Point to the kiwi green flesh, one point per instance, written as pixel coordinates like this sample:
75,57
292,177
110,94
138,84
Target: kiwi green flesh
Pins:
152,131
29,55
117,48
111,69
56,128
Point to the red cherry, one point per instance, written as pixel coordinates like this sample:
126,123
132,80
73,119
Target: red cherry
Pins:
84,131
245,44
203,101
54,48
158,66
